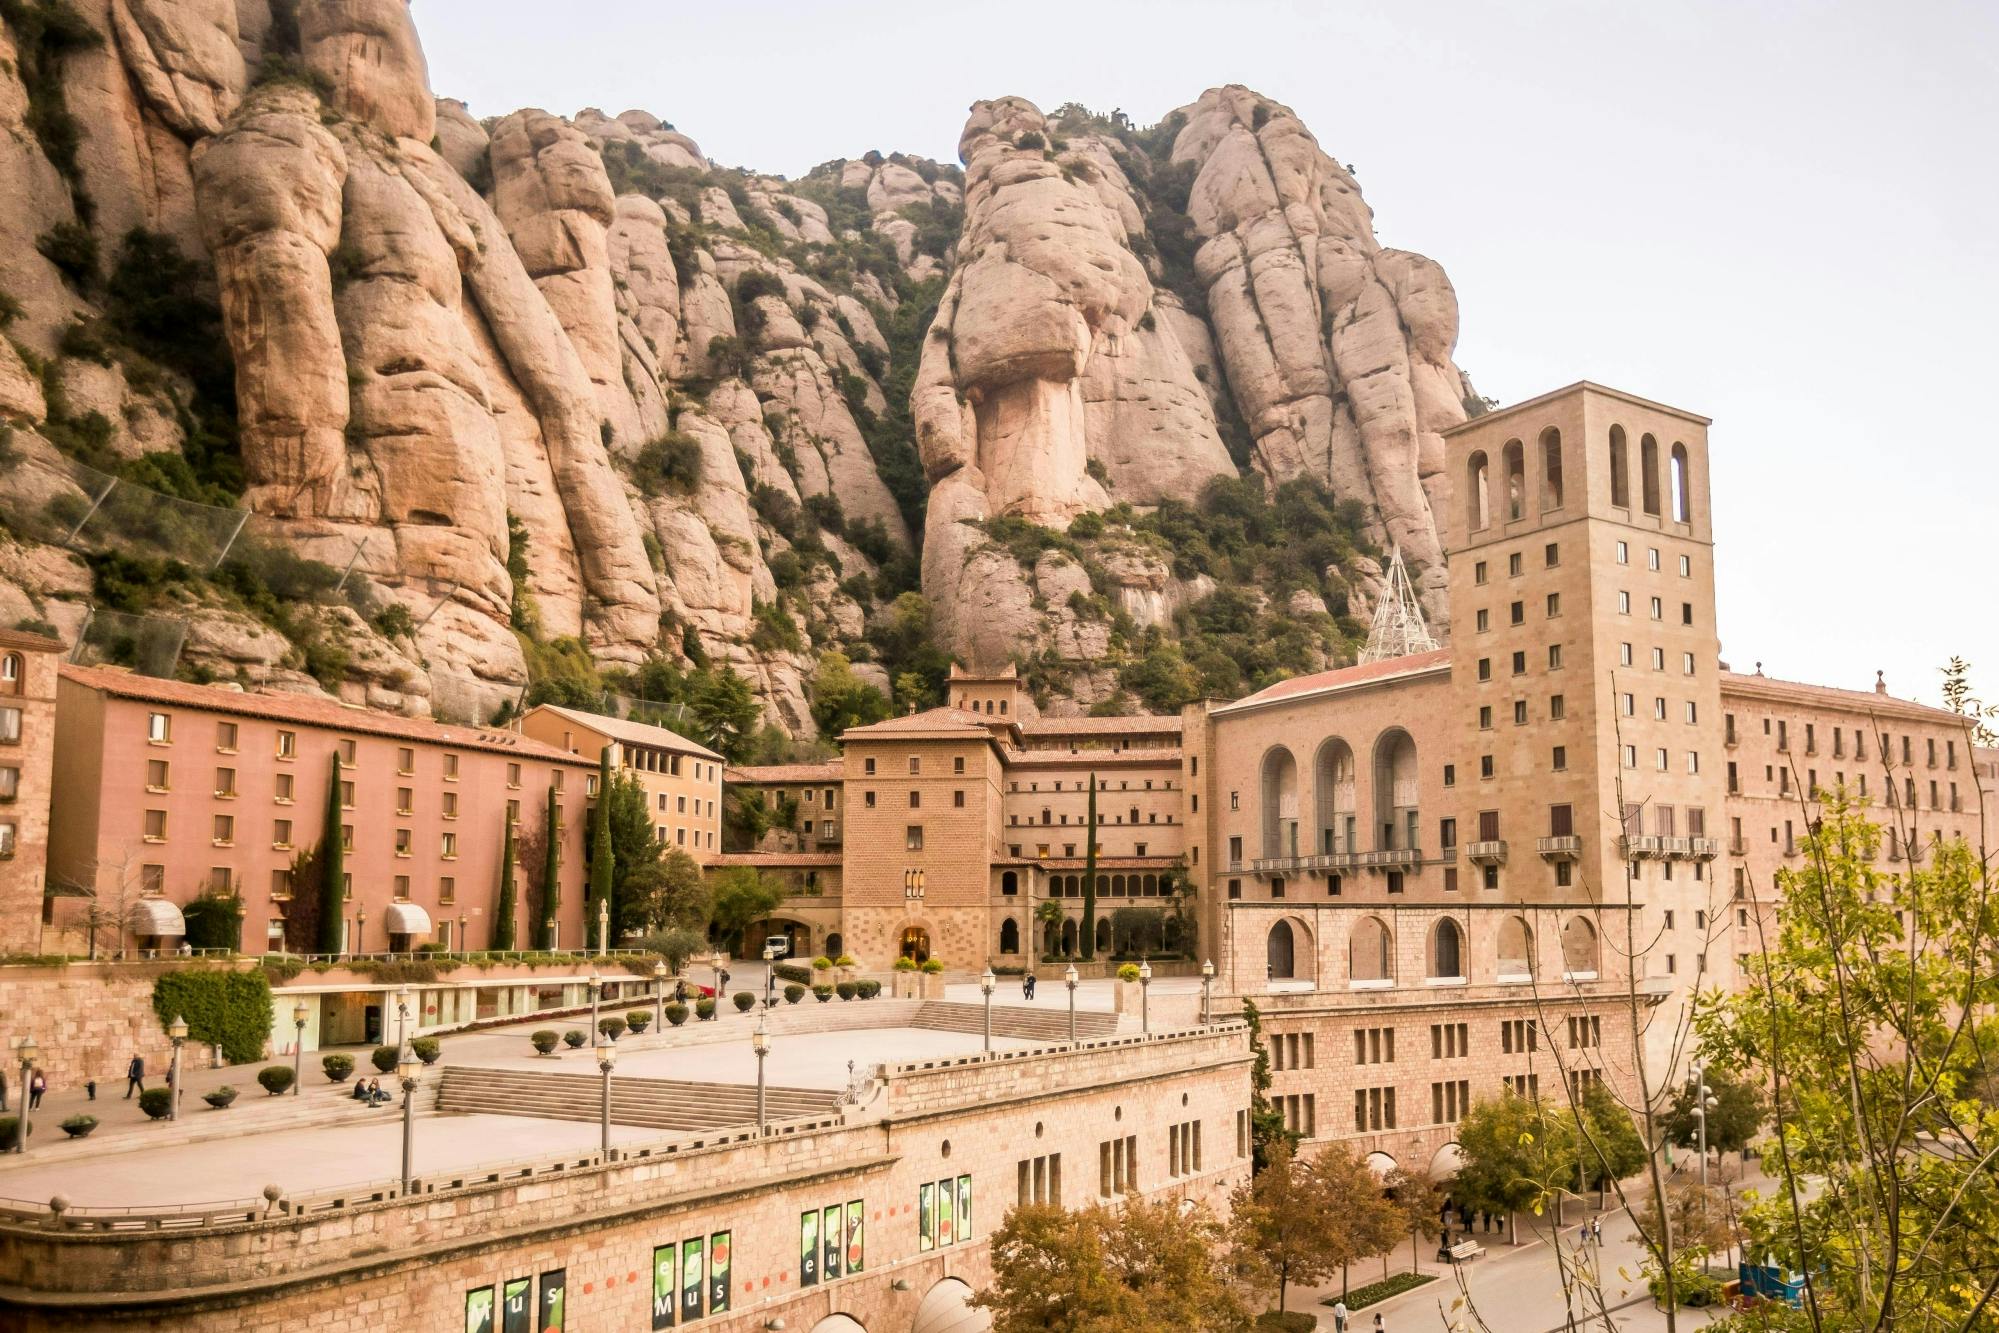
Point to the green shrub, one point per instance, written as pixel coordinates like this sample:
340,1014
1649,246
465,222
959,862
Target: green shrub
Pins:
704,1008
846,990
822,964
426,1049
822,992
905,964
743,1000
545,1041
10,1132
676,1013
797,972
157,1102
384,1058
845,960
275,1079
869,989
574,1038
612,1027
337,1066
76,1126
1031,140
673,462
931,966
227,1009
638,1020
793,993
71,247
1128,972
220,1098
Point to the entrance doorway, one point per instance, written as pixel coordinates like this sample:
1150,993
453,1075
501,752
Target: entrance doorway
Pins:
916,944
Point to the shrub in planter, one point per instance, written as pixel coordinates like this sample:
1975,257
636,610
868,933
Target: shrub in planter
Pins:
426,1049
638,1020
275,1079
1127,972
794,993
868,989
905,964
574,1038
10,1132
823,992
743,1000
337,1066
612,1027
384,1058
704,1008
157,1102
676,1013
545,1041
845,960
932,966
220,1098
79,1126
846,990
822,964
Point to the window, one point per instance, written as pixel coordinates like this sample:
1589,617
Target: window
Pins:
1449,1101
283,789
403,842
1373,1046
1513,565
1450,1041
867,800
1483,620
156,775
1631,756
156,826
346,751
1624,654
1551,554
10,673
449,847
1520,664
1556,708
1517,613
347,796
513,773
1658,659
1485,717
287,744
1686,664
1183,1148
1519,712
1117,1166
913,838
225,737
1554,657
225,830
159,728
1686,613
1478,572
1518,1036
958,799
1554,605
1585,1032
1623,603
915,765
281,833
1039,1179
1485,668
1658,609
916,800
10,726
958,764
402,888
10,782
1485,769
1450,775
1623,553
868,766
225,783
451,768
1373,1109
1560,759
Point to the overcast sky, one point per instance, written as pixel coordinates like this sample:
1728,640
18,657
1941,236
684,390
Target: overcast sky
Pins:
1780,215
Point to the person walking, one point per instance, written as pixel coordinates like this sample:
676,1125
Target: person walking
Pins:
1339,1317
1379,1326
135,1076
37,1085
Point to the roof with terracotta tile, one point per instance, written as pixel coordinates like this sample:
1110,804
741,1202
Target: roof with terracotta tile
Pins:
38,643
306,710
630,732
943,720
1365,673
778,860
1132,723
1069,758
766,775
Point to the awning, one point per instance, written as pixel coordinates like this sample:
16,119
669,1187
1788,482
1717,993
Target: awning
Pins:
157,916
1381,1164
947,1308
406,919
1450,1160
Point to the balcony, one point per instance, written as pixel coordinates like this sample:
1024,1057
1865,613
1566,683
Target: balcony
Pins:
1489,852
1265,865
1641,847
1392,858
1332,861
1704,849
1561,847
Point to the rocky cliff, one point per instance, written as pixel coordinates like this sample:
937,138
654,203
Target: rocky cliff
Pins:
562,402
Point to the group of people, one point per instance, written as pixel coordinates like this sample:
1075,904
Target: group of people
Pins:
369,1090
36,1086
1341,1315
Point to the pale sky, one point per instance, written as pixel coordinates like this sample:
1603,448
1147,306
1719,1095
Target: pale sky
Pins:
1779,215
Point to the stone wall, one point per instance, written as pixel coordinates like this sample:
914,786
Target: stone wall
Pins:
88,1019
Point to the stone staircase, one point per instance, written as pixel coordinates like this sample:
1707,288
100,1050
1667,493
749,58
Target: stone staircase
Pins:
1045,1025
648,1103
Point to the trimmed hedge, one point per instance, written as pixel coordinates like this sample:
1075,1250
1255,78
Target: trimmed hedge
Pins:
846,990
794,993
574,1038
676,1013
868,989
796,972
337,1066
275,1079
384,1058
1359,1298
545,1040
157,1102
612,1026
823,992
743,1000
704,1007
227,1009
426,1049
638,1020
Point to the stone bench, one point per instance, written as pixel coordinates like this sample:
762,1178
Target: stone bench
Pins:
1465,1251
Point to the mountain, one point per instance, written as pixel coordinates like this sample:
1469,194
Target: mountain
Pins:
559,404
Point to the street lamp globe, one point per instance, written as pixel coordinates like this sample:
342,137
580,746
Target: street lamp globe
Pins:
760,1039
298,1014
1145,970
607,1052
987,981
408,1066
659,971
1208,970
1070,976
177,1029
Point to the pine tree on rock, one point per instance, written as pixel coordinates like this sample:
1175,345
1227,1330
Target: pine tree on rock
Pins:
1090,877
333,871
601,856
503,910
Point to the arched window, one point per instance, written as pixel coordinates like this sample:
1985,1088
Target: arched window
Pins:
1280,952
834,943
1009,883
1683,504
1117,886
1447,950
1478,509
1152,886
1395,787
1620,469
1516,949
1069,935
1280,803
1333,793
1648,472
1009,936
1369,955
13,674
1103,934
1579,947
1551,468
1515,462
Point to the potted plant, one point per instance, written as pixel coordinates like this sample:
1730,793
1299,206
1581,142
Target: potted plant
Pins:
932,972
10,1132
676,1013
822,992
905,964
1127,997
385,1058
638,1020
868,988
79,1126
845,965
426,1049
611,1026
906,981
704,1008
545,1041
793,993
574,1039
157,1103
337,1066
275,1079
744,1001
220,1098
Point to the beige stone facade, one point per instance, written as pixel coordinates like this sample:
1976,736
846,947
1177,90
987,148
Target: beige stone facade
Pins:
682,779
28,664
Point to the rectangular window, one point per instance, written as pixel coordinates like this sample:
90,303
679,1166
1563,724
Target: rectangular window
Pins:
1623,553
913,838
1478,572
159,728
1652,559
225,830
1554,657
1483,620
1551,554
403,842
1556,710
1485,668
1513,565
284,789
156,775
447,889
958,764
156,826
1520,664
1519,712
1517,613
451,768
402,888
10,726
405,800
1554,604
225,737
1623,603
225,783
916,800
448,848
1560,758
406,764
281,834
915,765
346,751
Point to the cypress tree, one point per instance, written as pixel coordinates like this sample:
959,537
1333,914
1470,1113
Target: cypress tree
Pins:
1090,878
601,857
332,871
503,911
551,882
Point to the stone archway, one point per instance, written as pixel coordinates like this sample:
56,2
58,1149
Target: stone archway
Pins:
914,943
947,1308
1280,952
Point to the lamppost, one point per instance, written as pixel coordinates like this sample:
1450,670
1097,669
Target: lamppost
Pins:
360,929
298,1046
1069,980
659,997
177,1032
603,926
596,988
402,1012
607,1057
1207,985
986,983
770,973
1145,995
25,1053
760,1043
408,1068
1704,1101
